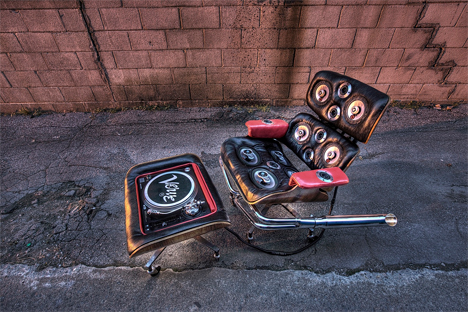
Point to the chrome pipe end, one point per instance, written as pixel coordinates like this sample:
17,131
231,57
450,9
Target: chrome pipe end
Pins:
391,219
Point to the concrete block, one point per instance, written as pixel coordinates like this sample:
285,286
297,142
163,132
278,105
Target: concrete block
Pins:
16,95
141,93
258,75
275,57
240,17
373,38
200,17
292,75
102,3
320,16
87,60
147,40
28,61
167,58
240,91
42,20
63,60
107,59
397,75
155,76
241,58
384,57
451,37
297,38
206,91
273,91
410,38
460,93
435,92
260,38
428,75
160,18
458,74
335,38
56,78
189,75
443,14
312,57
73,41
204,58
72,20
132,59
120,18
94,19
123,77
404,91
87,78
359,16
5,63
19,79
184,39
9,43
280,16
11,21
3,81
173,92
364,74
102,93
222,38
113,40
348,57
399,16
418,57
46,94
454,55
223,75
77,94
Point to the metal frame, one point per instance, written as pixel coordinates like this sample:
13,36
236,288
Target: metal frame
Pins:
257,218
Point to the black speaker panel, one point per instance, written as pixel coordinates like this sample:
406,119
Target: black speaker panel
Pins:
352,106
323,146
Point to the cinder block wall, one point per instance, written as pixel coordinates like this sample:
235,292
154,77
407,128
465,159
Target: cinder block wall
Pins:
82,55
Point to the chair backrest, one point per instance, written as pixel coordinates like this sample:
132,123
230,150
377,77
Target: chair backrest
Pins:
348,110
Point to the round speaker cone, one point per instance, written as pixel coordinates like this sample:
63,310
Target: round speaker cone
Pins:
320,135
321,93
249,156
356,110
308,155
169,191
273,164
332,155
279,157
263,178
334,112
302,133
344,90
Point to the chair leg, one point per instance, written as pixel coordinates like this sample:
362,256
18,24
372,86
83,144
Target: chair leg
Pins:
252,228
209,245
149,267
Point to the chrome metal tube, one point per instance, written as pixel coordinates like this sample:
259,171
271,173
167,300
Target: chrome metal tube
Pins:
324,222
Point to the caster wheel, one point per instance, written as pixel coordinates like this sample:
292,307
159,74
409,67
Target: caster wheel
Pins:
217,256
153,271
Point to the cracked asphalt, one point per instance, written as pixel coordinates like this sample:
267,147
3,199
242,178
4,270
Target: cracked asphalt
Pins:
63,244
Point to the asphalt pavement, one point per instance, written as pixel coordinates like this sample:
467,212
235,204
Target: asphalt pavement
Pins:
63,222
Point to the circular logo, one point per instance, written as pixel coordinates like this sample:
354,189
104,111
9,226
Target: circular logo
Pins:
172,188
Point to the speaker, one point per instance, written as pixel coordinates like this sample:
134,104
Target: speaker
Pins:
346,103
319,145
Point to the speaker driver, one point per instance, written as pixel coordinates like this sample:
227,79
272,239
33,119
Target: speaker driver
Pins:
332,155
308,155
324,176
321,93
355,110
302,133
320,135
249,156
344,90
264,179
334,113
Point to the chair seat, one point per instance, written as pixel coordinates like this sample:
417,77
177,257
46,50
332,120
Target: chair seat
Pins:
261,172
